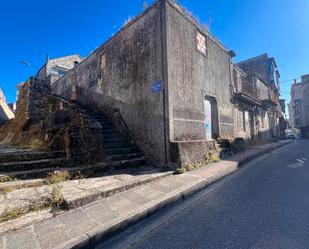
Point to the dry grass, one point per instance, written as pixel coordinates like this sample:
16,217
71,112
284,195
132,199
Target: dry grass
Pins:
56,196
14,214
36,144
55,201
209,158
58,176
19,212
6,179
180,171
5,190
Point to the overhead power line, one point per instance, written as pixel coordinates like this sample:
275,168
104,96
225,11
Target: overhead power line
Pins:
282,81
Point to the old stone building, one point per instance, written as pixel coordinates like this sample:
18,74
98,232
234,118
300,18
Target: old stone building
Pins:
265,69
54,69
169,78
264,66
254,109
172,83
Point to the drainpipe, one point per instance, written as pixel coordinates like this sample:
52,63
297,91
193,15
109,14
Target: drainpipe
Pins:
164,77
231,55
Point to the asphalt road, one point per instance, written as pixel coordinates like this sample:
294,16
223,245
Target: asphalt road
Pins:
265,204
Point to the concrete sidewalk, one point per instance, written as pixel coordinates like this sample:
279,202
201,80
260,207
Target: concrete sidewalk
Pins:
88,225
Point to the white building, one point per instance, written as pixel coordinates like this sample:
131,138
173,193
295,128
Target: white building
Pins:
299,105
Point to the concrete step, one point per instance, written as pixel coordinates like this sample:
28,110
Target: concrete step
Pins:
74,193
106,123
29,156
116,135
117,151
83,169
110,131
121,144
19,184
75,201
107,127
98,116
124,156
29,165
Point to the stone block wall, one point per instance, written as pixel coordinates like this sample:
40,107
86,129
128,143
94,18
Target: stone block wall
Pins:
120,74
185,153
196,72
47,122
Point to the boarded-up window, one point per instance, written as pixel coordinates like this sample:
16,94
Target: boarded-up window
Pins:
201,44
103,62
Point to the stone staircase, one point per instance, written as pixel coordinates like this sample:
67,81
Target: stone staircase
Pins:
118,148
117,145
24,163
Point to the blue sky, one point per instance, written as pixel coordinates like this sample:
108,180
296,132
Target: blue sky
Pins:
31,29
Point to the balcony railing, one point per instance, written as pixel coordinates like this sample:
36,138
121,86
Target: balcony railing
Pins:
273,98
245,88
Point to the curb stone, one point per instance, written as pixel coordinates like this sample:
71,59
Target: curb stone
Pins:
97,236
76,203
260,153
173,189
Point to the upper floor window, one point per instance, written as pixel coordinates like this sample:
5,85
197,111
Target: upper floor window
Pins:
201,43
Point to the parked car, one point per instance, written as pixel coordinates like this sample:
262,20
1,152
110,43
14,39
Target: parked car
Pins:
291,136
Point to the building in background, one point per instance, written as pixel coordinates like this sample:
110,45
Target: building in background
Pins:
299,106
56,68
283,105
5,111
265,69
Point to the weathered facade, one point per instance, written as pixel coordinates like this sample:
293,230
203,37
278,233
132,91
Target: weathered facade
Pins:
199,85
265,69
119,74
171,81
299,106
54,69
253,108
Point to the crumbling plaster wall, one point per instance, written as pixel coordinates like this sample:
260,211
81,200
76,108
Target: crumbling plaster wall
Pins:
192,76
256,65
119,75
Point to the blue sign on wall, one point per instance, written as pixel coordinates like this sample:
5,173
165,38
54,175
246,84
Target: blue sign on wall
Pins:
156,86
